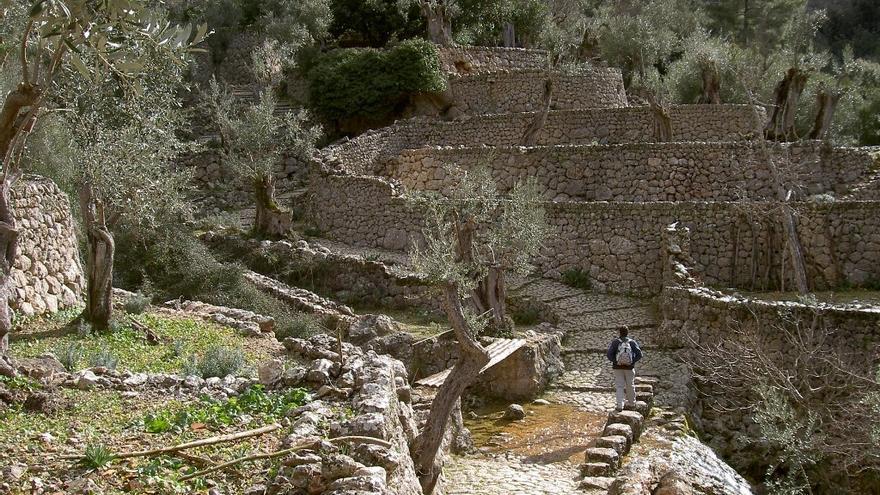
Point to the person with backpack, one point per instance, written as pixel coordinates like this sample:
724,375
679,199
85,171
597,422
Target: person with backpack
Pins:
624,353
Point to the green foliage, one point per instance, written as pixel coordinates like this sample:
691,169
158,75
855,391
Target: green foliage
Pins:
255,139
509,230
103,357
481,22
793,438
69,354
136,304
577,278
20,383
216,361
525,316
370,83
97,456
215,414
374,22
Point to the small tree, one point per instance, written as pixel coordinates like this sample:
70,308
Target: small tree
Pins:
255,140
112,147
51,36
471,240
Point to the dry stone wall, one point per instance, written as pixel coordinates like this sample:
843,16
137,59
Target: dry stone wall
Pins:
619,244
481,59
640,171
574,127
47,274
708,317
523,91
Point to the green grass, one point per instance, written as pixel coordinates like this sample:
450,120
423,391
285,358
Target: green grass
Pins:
418,322
181,337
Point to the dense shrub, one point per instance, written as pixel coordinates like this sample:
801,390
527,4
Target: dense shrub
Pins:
136,304
370,83
300,325
104,358
577,278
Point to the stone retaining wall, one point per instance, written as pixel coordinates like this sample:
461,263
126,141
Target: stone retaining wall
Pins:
47,274
708,317
523,91
480,59
575,127
641,171
619,244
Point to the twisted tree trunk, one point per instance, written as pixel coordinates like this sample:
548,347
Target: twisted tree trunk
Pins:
472,358
530,136
99,262
780,126
662,119
711,83
439,23
827,103
271,220
508,35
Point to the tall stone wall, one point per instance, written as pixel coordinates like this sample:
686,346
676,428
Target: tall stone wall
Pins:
523,91
620,244
641,171
574,127
47,274
481,59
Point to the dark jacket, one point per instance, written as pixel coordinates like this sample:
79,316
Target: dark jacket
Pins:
612,353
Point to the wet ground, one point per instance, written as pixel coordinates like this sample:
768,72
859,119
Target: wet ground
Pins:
549,433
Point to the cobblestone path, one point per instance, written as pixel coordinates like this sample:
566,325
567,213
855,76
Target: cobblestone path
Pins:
590,321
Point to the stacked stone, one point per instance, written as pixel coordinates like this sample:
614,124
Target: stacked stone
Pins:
479,59
621,430
47,274
521,90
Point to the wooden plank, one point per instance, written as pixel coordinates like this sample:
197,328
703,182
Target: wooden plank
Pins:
499,350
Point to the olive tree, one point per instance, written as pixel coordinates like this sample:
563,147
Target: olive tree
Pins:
471,240
254,140
51,36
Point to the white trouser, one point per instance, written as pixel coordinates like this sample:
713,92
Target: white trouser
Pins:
625,380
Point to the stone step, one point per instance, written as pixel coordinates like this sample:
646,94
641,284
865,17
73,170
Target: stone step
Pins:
619,429
642,407
610,320
596,469
619,443
603,455
644,387
596,483
631,418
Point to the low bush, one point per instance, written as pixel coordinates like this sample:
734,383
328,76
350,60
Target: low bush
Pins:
370,83
217,361
104,358
577,278
69,354
136,304
525,316
299,325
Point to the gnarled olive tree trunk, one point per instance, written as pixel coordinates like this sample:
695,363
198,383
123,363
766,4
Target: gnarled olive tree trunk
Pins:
490,294
99,262
780,126
662,119
15,117
471,358
271,219
826,101
438,20
530,136
711,83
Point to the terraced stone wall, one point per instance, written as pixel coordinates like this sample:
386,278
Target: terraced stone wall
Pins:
47,274
619,244
574,127
640,171
480,59
523,91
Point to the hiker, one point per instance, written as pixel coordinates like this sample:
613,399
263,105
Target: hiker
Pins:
624,353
